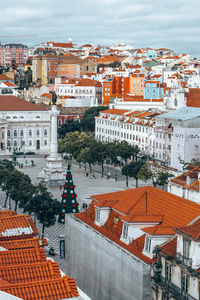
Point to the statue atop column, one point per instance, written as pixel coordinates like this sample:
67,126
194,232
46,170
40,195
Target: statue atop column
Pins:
54,98
53,173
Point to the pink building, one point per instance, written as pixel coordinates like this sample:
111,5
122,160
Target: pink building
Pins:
9,53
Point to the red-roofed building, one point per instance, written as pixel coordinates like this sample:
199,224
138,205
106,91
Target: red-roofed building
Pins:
176,273
118,236
137,127
24,125
25,272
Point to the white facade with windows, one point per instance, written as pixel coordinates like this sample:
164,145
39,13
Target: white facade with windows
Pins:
137,130
177,137
28,130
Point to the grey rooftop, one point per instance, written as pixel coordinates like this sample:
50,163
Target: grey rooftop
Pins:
182,114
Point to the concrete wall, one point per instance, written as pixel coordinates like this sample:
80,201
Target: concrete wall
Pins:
102,269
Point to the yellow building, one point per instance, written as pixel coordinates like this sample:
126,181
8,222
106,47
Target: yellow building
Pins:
136,85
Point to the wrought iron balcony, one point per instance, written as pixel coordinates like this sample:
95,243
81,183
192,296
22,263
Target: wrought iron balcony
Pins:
183,260
171,289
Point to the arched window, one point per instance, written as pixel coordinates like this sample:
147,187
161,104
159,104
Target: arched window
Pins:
21,133
30,132
45,132
8,133
15,143
30,143
37,117
38,132
8,143
15,133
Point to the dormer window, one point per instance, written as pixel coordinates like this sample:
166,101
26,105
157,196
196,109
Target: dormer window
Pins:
125,231
148,244
97,215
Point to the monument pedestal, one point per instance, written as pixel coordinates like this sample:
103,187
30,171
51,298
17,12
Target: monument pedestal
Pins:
53,173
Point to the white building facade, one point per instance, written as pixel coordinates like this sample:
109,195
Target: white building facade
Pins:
27,126
177,137
135,127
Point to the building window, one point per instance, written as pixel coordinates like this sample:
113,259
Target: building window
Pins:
15,143
38,132
45,142
30,132
125,231
30,143
186,248
168,270
21,133
147,244
45,131
184,282
98,215
8,133
15,133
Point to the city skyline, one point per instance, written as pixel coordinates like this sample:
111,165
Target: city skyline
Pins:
168,24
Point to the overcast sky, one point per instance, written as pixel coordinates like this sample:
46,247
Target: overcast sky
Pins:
173,24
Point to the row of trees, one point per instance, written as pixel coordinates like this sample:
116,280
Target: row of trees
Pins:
33,199
86,149
145,171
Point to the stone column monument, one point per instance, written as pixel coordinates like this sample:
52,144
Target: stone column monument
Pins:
53,173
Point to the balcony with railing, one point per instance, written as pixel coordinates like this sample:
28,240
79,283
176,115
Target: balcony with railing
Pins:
185,261
171,289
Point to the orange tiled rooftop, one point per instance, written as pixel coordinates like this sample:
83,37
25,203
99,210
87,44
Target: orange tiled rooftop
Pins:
142,205
24,270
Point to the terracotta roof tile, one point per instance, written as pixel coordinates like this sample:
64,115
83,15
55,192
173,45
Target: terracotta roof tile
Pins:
23,243
192,230
52,289
18,257
12,103
148,203
17,226
170,248
30,272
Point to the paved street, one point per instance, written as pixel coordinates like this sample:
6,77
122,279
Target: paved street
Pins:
85,187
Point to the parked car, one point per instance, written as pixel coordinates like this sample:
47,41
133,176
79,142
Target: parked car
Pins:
19,152
30,153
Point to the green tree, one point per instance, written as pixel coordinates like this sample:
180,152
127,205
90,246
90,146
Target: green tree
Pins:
6,168
155,172
86,156
74,142
111,151
88,120
126,151
69,126
132,169
46,208
20,187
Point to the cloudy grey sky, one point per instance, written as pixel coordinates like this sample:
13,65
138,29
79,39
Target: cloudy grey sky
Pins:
173,24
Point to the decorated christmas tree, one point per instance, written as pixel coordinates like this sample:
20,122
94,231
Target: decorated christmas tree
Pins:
69,202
